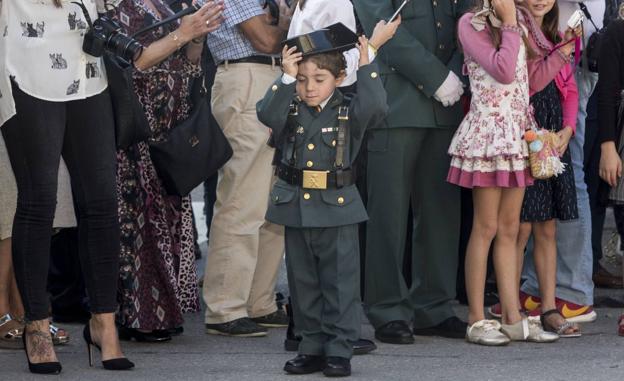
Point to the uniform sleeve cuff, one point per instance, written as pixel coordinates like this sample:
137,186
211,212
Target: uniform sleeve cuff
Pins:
287,79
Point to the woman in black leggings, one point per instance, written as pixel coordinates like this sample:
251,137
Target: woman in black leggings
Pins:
54,103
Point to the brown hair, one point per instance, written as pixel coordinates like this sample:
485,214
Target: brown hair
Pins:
550,24
57,3
334,62
496,33
301,4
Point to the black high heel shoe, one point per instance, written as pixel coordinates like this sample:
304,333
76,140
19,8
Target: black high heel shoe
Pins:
121,363
53,367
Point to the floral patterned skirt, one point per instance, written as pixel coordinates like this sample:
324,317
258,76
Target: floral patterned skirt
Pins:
157,278
490,152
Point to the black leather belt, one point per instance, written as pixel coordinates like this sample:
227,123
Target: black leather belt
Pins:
310,179
265,60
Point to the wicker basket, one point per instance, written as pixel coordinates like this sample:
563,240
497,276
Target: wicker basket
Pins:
545,162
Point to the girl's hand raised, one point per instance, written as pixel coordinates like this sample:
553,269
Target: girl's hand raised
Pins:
383,32
506,11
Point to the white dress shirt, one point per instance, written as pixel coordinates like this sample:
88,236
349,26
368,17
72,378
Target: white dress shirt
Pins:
41,48
319,14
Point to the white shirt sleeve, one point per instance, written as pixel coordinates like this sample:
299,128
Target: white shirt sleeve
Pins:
318,14
353,62
287,79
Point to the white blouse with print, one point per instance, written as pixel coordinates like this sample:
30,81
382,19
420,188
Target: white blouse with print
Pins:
41,48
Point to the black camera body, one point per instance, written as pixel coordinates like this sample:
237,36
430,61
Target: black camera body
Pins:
106,35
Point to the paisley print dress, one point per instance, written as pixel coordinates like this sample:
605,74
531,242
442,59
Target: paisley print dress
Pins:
157,280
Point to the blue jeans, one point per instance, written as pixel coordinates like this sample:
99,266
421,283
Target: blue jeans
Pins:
574,250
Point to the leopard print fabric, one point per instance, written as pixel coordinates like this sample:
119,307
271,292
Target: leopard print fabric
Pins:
158,281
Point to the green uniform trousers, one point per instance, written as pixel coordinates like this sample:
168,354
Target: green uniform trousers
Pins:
323,268
409,166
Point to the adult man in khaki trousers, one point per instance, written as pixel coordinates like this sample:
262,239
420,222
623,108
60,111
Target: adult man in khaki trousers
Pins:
245,251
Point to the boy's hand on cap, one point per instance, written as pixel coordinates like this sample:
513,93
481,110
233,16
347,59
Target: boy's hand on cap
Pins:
363,48
290,60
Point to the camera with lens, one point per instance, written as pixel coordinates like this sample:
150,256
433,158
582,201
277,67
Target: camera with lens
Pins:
106,35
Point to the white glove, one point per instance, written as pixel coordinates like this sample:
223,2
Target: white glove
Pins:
451,90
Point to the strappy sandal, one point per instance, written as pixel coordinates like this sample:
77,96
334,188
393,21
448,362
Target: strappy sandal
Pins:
12,338
561,329
59,335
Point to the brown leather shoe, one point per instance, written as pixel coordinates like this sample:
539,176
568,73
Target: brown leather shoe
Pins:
603,279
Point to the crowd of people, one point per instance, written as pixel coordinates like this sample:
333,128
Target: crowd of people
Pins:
390,171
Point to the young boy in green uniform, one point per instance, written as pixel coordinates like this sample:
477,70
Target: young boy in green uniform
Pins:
319,131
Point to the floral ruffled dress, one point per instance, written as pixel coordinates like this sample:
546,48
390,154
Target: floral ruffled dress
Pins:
488,149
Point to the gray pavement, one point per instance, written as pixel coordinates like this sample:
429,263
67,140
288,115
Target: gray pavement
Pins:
598,355
197,356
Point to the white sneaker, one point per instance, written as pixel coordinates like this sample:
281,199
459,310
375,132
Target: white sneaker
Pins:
529,329
486,332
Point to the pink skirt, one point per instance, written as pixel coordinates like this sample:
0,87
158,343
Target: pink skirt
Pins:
499,172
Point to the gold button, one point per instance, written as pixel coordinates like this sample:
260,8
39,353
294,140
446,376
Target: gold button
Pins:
341,200
333,143
420,87
309,164
373,75
306,196
439,25
310,146
274,87
435,3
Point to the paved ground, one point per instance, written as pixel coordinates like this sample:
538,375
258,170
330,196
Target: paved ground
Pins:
196,356
598,355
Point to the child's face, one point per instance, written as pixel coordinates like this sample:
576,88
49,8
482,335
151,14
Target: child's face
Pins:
539,8
315,85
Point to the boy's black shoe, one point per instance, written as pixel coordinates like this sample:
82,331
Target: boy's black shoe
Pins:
277,319
452,327
243,327
395,332
360,346
305,364
337,367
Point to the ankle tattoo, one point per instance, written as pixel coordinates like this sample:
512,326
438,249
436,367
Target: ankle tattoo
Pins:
39,343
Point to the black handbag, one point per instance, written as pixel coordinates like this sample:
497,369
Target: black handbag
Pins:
193,151
131,125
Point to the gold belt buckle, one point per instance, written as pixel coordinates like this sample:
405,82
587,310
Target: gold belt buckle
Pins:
315,179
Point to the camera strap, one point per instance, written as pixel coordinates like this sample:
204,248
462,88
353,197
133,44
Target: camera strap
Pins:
179,15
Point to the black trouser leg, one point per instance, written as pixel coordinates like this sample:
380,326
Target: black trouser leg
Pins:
34,140
594,182
90,155
83,132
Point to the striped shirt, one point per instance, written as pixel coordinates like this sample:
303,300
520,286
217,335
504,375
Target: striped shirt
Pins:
228,42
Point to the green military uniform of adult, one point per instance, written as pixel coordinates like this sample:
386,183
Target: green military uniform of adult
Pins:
322,252
408,163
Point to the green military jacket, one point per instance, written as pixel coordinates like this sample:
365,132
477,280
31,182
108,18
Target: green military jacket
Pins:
417,60
315,149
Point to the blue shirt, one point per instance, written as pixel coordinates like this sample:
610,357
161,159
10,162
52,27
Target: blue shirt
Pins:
228,42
